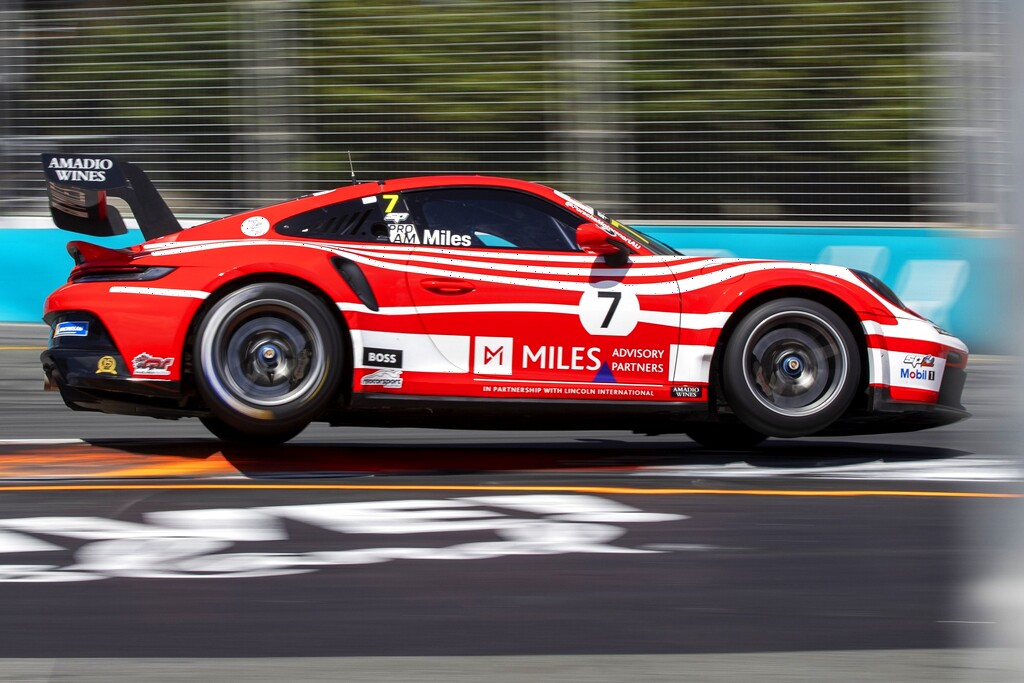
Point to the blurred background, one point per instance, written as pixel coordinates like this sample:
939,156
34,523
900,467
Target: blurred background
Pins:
866,133
875,111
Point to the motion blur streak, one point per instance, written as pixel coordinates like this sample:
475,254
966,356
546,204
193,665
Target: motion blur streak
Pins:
609,490
996,593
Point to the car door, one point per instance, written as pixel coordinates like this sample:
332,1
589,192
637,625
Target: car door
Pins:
504,293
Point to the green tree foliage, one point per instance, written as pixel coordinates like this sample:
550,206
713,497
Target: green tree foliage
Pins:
802,108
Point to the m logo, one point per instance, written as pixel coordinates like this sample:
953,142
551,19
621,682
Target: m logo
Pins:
492,356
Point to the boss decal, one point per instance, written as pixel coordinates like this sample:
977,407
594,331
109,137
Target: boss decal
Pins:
382,358
145,364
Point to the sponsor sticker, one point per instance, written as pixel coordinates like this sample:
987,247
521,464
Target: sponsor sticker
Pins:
643,361
83,171
492,355
403,233
388,378
71,329
255,226
687,391
915,360
106,366
916,370
382,358
145,364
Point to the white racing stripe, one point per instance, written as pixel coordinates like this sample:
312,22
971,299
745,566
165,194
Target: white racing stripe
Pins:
688,321
160,291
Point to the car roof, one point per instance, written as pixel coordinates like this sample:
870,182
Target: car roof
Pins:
366,189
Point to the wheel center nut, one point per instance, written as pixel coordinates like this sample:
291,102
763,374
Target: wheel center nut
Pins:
268,354
792,366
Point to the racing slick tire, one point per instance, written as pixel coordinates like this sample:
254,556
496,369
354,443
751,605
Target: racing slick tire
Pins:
791,368
227,433
268,361
724,437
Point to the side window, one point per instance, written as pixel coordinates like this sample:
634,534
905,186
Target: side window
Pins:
357,220
486,217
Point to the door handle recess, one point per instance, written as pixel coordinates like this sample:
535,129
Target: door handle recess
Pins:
445,285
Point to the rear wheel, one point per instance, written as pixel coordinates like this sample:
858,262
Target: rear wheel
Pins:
268,362
791,368
225,432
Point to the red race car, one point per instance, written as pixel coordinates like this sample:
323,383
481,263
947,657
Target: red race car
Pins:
469,302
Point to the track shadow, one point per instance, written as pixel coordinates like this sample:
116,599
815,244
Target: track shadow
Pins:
295,460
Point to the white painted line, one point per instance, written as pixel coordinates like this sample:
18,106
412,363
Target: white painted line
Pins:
38,442
973,469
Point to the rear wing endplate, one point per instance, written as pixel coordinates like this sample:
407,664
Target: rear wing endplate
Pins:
78,186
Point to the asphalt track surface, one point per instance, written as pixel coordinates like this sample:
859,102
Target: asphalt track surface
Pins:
137,549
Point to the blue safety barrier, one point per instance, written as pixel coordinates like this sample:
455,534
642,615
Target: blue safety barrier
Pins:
955,278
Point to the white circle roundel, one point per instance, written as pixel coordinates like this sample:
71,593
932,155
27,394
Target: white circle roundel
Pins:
609,309
254,226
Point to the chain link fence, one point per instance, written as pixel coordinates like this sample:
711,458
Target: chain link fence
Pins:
866,111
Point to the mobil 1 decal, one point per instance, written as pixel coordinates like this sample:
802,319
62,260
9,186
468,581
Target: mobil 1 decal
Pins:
609,308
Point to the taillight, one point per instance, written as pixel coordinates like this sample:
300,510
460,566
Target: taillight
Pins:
102,273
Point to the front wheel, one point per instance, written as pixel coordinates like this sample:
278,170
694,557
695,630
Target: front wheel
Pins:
791,368
268,361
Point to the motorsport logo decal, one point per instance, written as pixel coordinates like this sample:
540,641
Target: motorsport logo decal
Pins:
389,378
145,364
915,360
255,542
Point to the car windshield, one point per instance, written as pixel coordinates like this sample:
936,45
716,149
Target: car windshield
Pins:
654,245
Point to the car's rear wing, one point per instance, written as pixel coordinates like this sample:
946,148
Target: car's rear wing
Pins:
78,185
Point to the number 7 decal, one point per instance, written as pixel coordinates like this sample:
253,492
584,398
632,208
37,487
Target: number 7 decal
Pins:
609,309
615,297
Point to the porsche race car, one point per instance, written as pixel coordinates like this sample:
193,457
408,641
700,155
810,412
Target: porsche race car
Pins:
469,302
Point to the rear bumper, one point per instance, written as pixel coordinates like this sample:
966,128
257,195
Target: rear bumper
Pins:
91,374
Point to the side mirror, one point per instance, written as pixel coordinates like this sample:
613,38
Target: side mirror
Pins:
594,240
